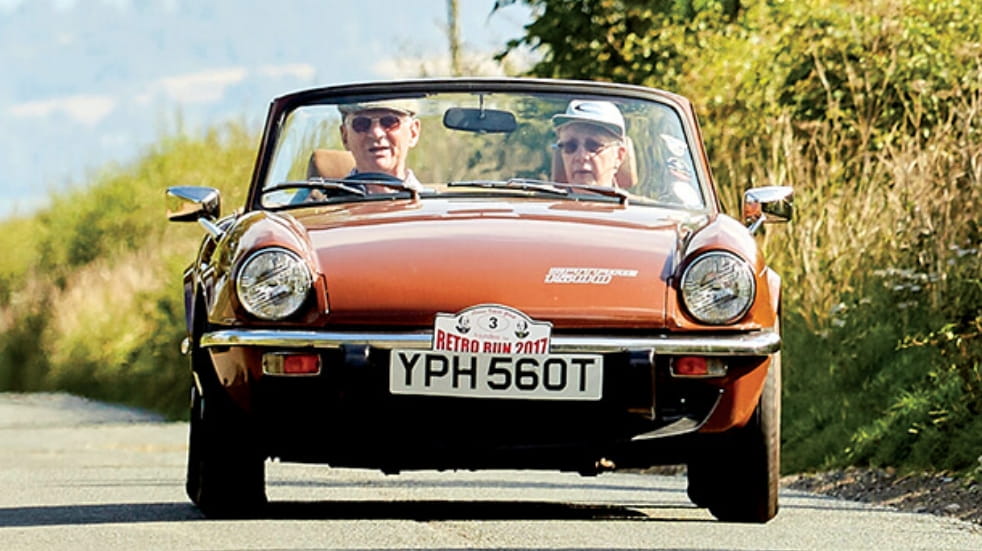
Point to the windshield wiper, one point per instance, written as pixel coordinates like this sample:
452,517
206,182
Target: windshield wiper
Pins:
609,191
513,183
354,186
558,188
317,183
374,179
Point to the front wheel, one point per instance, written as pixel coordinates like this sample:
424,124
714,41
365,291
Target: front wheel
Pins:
741,482
226,475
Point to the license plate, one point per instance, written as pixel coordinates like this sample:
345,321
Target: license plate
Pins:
531,377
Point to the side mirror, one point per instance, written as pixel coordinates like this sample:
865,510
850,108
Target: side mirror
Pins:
195,203
765,205
191,203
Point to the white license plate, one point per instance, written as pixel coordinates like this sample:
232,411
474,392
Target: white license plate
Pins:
532,377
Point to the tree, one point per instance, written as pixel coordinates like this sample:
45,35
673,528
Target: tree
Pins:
630,41
453,34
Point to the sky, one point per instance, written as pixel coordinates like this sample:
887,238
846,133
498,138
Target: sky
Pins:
86,84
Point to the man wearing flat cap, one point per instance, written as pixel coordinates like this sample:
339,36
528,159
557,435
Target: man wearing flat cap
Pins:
379,136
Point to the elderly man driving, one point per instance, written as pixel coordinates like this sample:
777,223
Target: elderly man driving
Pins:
379,136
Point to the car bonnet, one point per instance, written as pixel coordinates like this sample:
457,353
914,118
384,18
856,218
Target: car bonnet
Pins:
588,270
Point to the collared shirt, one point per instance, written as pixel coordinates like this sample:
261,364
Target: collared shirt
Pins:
411,181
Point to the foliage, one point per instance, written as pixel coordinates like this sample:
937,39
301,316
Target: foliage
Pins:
91,301
616,40
871,111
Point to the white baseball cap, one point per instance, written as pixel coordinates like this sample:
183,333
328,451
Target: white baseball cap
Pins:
601,113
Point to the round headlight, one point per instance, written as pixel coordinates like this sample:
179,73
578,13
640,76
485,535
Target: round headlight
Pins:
273,283
718,287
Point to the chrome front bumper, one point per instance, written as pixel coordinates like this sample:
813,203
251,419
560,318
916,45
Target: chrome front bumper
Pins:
756,343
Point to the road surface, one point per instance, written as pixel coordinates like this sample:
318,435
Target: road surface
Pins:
82,475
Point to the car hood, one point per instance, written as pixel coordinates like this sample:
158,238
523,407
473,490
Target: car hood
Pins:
576,267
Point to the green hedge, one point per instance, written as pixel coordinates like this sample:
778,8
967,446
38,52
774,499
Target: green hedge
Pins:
871,110
90,303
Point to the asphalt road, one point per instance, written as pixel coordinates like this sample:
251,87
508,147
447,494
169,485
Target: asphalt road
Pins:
82,475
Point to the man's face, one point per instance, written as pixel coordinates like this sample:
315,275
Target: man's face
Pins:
590,154
380,140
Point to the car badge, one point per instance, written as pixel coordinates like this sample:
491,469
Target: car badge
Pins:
582,275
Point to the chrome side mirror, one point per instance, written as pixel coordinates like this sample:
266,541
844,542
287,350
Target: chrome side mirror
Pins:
188,203
195,203
766,205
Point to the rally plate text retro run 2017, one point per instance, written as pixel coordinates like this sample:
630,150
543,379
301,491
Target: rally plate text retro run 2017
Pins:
493,351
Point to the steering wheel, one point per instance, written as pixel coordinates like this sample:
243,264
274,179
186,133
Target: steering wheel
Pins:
374,177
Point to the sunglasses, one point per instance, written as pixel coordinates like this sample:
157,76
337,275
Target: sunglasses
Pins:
362,124
589,145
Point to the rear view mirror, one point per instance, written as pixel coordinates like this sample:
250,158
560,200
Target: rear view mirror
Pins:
479,120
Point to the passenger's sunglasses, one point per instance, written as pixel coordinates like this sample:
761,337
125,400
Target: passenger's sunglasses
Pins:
589,145
362,124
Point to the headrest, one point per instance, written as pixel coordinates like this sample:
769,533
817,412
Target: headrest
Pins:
330,163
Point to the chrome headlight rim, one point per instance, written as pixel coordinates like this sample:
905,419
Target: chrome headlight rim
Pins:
743,270
296,300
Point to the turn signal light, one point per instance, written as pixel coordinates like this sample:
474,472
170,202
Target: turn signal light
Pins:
698,366
291,364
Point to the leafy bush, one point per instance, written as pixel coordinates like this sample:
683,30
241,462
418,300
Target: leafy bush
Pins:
92,301
871,111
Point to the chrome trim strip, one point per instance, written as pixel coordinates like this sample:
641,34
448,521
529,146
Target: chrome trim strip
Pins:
756,343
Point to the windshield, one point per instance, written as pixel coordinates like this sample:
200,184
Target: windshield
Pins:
524,144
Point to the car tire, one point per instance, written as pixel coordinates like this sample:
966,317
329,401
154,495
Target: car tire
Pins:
745,488
225,474
701,483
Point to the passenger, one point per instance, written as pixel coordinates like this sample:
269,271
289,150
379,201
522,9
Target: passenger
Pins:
591,141
379,136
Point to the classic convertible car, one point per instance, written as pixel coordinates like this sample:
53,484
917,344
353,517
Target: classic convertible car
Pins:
483,274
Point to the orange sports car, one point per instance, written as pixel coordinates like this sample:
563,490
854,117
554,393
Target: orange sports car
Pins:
483,274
